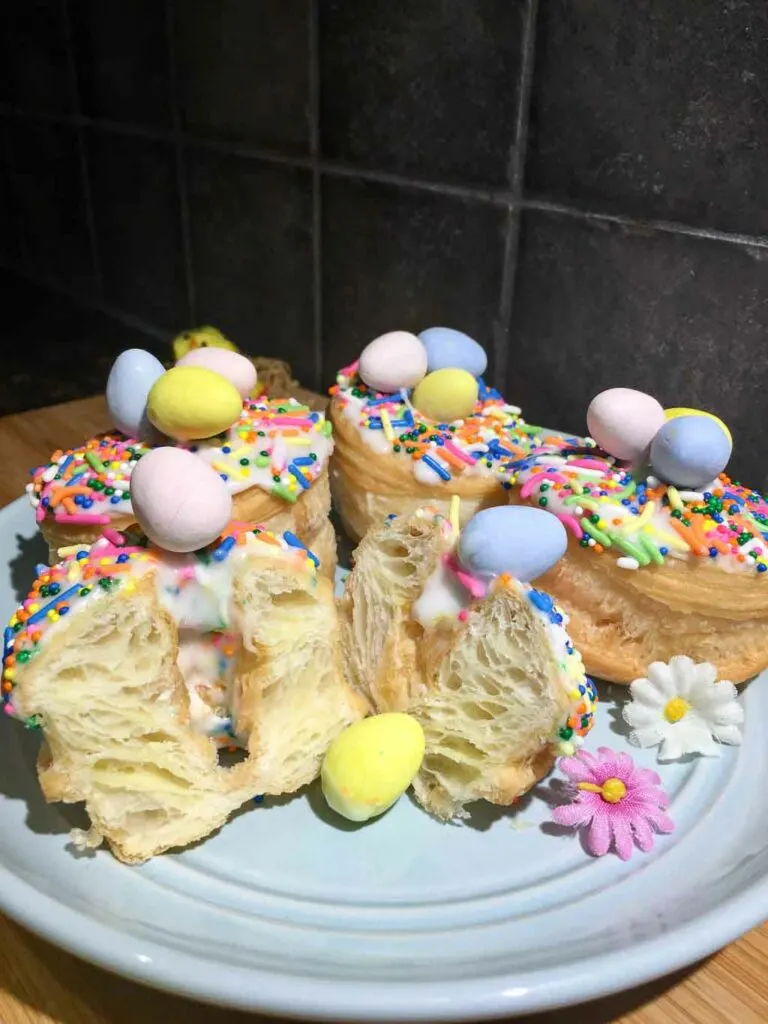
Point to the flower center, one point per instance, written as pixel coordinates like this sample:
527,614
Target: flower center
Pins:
612,790
676,709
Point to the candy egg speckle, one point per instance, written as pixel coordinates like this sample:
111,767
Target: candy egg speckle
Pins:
446,395
447,348
690,451
371,764
132,375
179,501
238,370
393,361
191,402
672,414
623,422
523,541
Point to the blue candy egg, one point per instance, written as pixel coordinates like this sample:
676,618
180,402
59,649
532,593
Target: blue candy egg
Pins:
517,539
452,350
690,451
132,375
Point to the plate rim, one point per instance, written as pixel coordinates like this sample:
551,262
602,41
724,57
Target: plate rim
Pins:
258,989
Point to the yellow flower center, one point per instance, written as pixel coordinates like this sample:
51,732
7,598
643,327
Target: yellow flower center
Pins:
676,709
612,790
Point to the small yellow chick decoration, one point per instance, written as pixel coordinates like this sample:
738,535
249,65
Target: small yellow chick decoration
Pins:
200,337
371,764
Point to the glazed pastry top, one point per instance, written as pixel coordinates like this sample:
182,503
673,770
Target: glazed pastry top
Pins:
436,452
278,445
638,518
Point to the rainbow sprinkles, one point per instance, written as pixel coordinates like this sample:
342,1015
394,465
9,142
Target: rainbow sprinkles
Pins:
87,486
639,517
477,444
278,445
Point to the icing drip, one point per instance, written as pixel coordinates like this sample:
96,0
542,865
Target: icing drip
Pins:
443,597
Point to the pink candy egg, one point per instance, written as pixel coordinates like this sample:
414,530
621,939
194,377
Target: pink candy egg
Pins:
237,369
180,502
393,361
624,422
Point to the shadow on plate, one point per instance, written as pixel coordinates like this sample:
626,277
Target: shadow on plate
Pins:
30,552
344,544
319,807
21,746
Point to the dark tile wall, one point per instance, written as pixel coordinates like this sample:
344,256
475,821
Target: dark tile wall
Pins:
579,184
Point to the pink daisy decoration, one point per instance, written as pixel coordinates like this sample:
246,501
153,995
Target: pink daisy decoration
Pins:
620,802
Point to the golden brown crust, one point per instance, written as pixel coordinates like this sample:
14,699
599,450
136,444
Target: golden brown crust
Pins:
367,486
304,518
622,620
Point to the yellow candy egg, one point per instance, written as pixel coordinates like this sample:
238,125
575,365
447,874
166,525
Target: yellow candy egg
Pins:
190,403
672,414
371,764
446,395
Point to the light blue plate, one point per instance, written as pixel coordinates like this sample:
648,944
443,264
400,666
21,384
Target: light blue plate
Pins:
291,911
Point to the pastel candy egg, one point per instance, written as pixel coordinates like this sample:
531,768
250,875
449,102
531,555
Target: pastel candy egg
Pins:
672,414
393,361
180,502
191,402
132,375
446,395
447,349
237,369
370,765
516,539
690,451
623,422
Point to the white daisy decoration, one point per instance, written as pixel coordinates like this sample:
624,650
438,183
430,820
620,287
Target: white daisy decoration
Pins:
683,707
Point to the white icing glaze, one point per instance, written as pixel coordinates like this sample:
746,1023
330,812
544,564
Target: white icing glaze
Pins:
239,478
441,597
207,673
295,441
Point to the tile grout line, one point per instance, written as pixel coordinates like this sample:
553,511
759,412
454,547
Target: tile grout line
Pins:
672,227
182,191
516,172
85,178
493,196
87,301
516,175
317,210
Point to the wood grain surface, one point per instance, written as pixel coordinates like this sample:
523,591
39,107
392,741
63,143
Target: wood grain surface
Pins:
40,984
